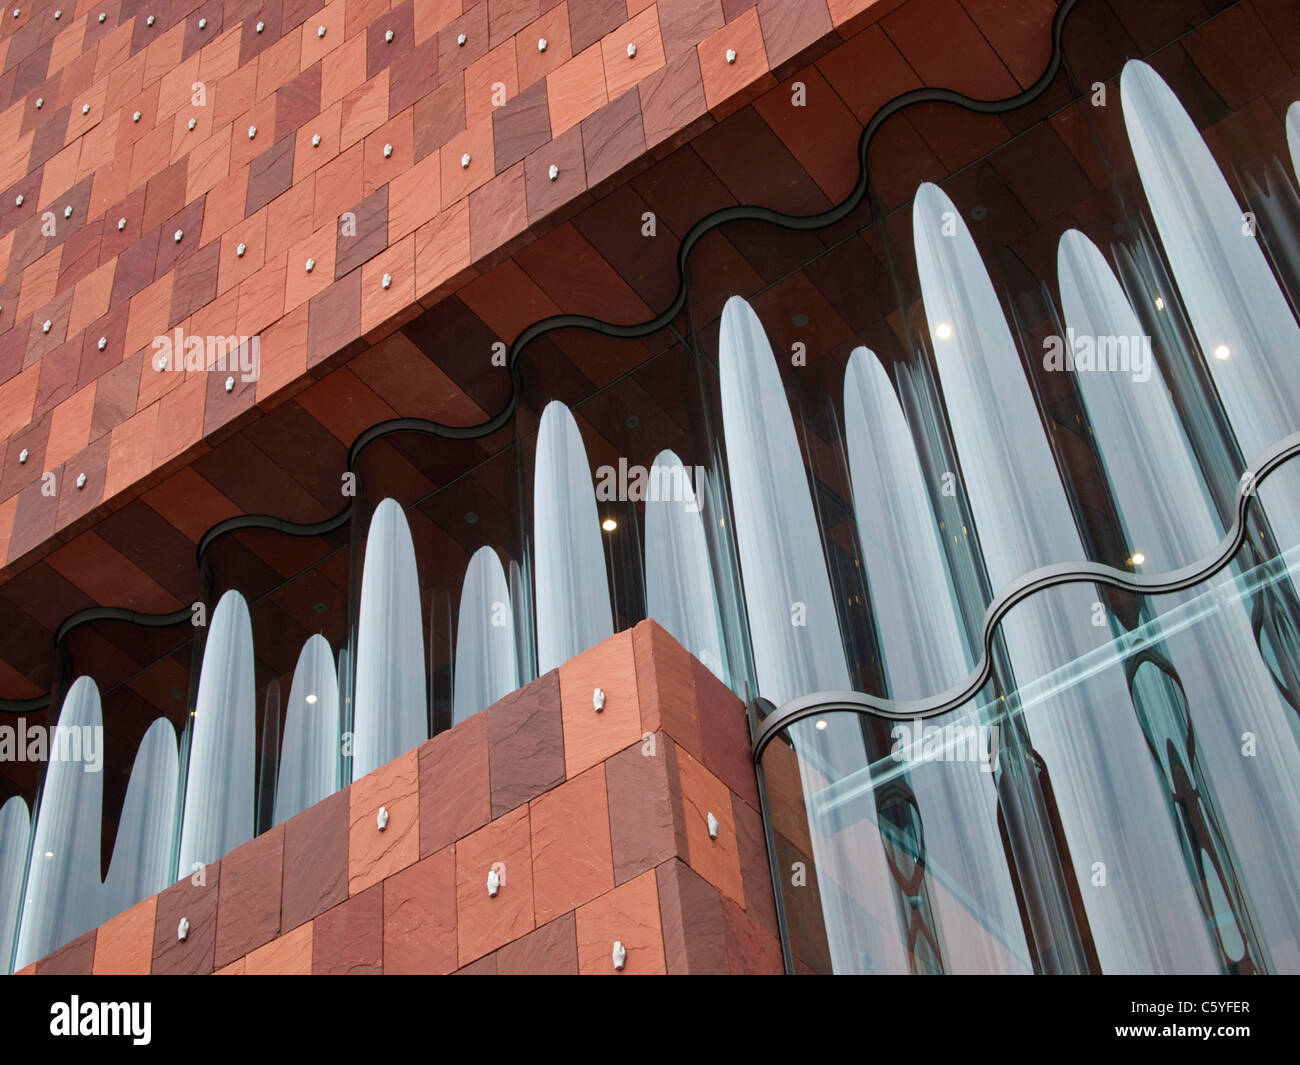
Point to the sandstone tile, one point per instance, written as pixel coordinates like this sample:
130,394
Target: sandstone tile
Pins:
248,909
365,236
521,126
665,676
754,868
372,854
591,20
723,80
485,923
752,951
286,955
629,914
591,737
454,784
420,917
576,89
724,733
572,861
526,743
124,944
717,860
315,860
551,950
694,929
196,901
623,71
72,959
348,940
646,818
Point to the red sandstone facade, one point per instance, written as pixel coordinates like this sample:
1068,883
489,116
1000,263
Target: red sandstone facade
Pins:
597,823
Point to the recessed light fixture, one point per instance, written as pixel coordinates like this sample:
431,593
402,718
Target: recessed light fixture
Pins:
821,725
1160,304
311,698
471,517
1138,558
609,525
943,331
800,320
1222,351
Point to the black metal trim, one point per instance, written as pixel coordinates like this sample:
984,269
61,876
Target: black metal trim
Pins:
1035,581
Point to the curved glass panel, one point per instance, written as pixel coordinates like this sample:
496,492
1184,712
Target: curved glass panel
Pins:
486,661
573,608
1089,736
1247,333
309,764
679,580
952,819
391,714
792,620
219,787
64,896
142,853
15,834
1293,136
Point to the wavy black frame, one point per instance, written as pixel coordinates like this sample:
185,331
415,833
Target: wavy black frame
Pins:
1041,578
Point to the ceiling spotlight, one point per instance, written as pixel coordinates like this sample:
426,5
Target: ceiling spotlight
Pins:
1160,304
943,331
609,525
311,699
1138,558
1222,351
821,725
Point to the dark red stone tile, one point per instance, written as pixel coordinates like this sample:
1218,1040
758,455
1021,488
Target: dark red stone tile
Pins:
349,939
115,240
508,17
34,517
551,950
221,407
672,99
413,78
521,126
296,103
751,949
315,860
270,174
453,58
695,931
58,377
381,53
439,116
526,740
645,807
72,959
371,233
195,284
755,871
80,254
32,439
115,394
612,138
334,318
485,966
556,200
76,502
420,917
455,795
248,909
188,222
135,266
498,214
685,23
198,904
589,21
724,732
794,34
165,194
252,43
195,38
